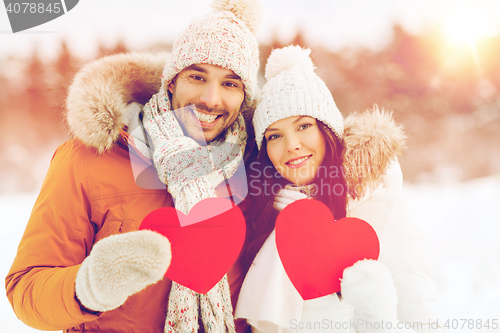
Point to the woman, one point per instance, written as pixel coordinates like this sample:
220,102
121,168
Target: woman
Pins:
305,153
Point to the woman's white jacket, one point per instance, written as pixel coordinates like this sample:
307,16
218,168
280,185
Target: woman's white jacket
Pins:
268,299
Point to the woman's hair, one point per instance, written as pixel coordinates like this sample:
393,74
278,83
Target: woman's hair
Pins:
264,183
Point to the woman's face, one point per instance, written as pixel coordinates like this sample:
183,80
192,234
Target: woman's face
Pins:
296,147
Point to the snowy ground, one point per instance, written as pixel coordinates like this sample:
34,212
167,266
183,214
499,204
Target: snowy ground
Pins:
461,222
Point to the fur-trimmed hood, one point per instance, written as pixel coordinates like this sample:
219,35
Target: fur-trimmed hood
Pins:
373,142
101,90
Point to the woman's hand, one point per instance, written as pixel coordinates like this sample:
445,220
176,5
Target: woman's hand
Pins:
286,196
368,287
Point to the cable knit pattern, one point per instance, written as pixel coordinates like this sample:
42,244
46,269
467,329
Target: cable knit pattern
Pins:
225,38
293,89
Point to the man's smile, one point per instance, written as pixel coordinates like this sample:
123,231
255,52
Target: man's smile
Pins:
206,118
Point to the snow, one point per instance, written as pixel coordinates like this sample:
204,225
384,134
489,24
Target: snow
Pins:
15,210
459,219
463,228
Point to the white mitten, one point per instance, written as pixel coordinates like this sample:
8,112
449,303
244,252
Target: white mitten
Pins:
368,287
119,266
285,197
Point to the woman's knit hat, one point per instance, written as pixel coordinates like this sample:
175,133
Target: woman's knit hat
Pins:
225,38
293,89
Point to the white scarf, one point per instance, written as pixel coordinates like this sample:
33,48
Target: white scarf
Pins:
191,173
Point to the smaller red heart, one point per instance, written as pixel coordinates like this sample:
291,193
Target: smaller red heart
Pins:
202,251
315,249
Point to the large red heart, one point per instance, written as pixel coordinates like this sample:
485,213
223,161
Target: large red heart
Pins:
202,252
315,249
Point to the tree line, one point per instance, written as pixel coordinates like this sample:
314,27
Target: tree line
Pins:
446,96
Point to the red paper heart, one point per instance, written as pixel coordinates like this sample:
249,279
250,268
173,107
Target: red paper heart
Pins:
202,252
315,249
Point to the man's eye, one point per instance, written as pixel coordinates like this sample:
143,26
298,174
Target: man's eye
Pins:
197,77
230,84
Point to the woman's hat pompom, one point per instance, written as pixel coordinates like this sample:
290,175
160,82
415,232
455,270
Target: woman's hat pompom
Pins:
287,58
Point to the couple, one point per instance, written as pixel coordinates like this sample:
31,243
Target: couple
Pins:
82,266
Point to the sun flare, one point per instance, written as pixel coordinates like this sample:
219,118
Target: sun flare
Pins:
467,25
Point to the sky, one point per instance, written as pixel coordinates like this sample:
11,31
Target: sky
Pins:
333,23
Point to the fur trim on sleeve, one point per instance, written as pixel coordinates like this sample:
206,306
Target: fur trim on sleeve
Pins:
103,88
373,140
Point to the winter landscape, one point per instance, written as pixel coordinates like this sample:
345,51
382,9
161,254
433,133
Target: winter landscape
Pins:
433,64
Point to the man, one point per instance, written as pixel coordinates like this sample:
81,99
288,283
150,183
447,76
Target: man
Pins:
81,265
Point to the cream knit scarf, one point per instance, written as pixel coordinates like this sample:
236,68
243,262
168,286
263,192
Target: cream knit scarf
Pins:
191,173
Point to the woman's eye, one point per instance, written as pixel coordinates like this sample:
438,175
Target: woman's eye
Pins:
272,137
304,126
230,84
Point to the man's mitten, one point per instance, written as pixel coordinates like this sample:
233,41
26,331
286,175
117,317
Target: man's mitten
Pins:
119,266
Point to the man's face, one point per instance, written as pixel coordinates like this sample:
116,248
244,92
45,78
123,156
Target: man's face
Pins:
217,94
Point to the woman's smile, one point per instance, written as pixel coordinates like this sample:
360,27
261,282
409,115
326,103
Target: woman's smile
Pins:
296,147
298,162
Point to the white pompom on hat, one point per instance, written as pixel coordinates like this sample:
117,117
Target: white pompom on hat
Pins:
293,89
225,38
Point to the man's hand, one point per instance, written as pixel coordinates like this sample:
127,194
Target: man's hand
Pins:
119,266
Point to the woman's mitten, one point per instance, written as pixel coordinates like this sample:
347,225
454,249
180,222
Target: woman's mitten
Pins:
368,287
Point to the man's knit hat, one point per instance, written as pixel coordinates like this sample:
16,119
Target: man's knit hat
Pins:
226,38
293,89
